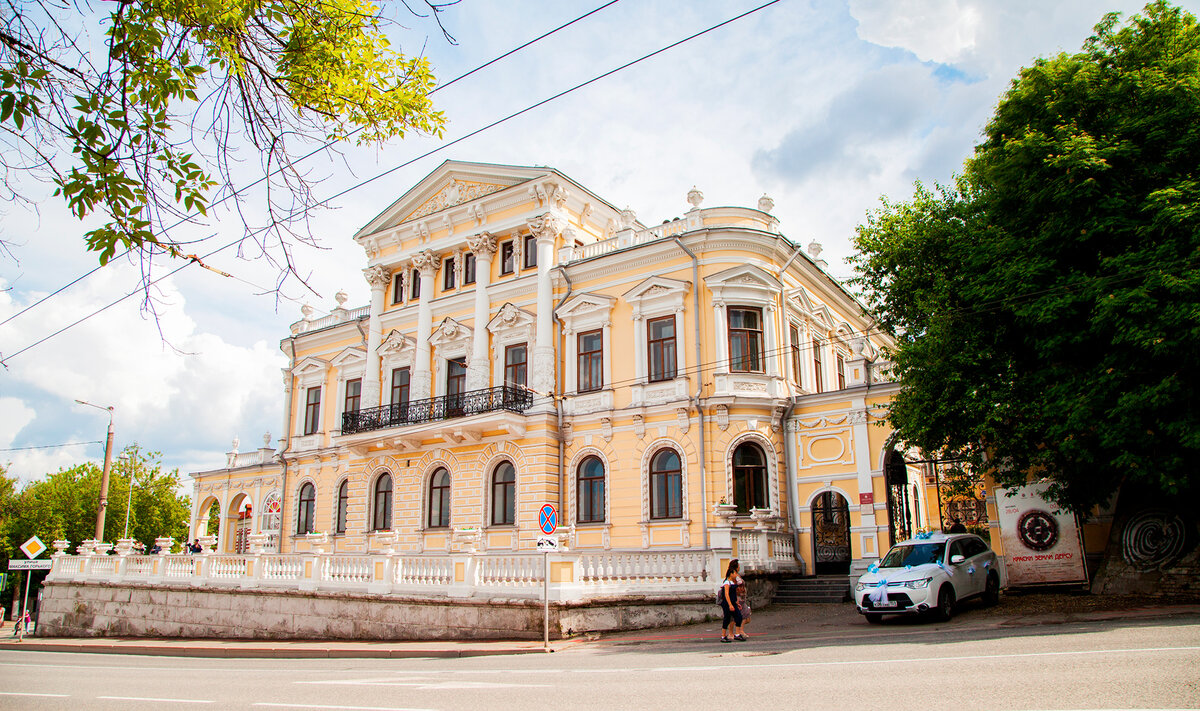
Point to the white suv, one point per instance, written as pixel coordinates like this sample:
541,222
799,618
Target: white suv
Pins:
929,574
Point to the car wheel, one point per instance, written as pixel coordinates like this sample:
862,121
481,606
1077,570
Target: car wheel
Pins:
945,606
991,593
873,618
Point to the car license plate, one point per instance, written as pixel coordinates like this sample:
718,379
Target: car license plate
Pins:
886,603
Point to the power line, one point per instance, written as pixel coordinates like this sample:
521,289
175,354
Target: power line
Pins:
305,157
50,446
460,139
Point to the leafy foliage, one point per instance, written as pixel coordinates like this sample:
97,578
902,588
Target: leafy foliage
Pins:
119,138
1046,307
63,505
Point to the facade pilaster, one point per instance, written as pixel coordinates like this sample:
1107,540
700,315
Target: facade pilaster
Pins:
379,280
421,385
483,246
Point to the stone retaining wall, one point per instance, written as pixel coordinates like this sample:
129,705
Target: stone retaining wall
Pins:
75,609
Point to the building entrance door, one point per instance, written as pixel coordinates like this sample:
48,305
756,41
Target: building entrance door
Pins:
831,534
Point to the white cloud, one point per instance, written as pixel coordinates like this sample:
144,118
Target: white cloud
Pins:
934,30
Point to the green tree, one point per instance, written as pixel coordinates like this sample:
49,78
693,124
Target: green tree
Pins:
63,505
121,136
1046,307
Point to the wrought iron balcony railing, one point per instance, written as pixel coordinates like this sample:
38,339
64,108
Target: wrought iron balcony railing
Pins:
445,407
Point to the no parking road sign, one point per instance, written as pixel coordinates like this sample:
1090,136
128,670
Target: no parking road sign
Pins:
548,519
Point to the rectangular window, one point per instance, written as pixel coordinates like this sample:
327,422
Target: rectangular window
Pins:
841,372
660,339
456,381
745,340
529,247
353,395
469,268
312,411
414,291
794,344
399,386
818,386
507,258
515,361
398,288
448,274
591,361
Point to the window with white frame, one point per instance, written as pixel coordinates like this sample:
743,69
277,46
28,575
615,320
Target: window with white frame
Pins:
381,519
747,299
658,307
504,495
343,506
306,508
666,485
745,340
589,487
588,329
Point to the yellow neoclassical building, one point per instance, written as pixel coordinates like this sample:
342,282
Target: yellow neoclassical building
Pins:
701,385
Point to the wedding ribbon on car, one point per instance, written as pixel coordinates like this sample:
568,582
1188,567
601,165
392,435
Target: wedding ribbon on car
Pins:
879,594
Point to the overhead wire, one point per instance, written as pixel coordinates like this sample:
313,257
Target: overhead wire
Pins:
324,147
438,149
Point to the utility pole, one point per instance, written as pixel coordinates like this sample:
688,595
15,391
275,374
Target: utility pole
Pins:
103,505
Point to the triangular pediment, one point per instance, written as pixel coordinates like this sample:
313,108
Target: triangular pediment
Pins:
349,356
802,300
450,331
310,365
396,343
583,304
511,317
746,275
450,184
657,287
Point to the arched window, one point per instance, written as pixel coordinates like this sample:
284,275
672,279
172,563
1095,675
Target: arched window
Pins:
439,499
382,520
504,490
590,487
306,509
269,517
666,485
749,478
343,503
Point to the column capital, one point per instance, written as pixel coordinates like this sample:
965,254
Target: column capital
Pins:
483,245
425,262
378,277
547,227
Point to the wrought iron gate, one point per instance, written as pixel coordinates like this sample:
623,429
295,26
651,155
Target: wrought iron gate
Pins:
831,534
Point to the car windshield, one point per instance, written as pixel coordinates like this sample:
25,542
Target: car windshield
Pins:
913,554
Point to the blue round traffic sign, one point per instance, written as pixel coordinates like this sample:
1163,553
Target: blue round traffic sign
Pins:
548,519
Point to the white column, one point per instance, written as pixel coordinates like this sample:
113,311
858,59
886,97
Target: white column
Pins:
546,229
640,336
483,245
722,335
771,346
422,378
380,280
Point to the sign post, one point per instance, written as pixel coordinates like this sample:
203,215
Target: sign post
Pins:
547,522
32,549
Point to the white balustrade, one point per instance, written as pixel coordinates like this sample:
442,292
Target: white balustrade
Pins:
349,569
282,567
446,575
510,571
139,566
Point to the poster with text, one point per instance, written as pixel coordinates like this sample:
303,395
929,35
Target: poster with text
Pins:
1041,542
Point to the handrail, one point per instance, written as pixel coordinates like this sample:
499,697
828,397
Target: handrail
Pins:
443,407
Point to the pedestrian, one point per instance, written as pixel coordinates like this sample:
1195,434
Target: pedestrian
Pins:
743,594
957,526
731,625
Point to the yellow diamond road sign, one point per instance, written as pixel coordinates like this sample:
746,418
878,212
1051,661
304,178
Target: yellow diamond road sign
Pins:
33,547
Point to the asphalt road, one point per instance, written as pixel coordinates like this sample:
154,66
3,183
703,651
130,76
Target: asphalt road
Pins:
1093,665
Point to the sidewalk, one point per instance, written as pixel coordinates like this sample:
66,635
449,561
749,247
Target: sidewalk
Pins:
779,623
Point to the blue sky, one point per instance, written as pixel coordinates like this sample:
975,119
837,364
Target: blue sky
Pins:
824,106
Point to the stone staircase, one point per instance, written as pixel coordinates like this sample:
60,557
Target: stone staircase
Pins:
819,588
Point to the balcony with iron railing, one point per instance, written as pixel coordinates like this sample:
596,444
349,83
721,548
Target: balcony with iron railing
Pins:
504,398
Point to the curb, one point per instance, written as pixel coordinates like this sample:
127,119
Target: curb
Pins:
261,652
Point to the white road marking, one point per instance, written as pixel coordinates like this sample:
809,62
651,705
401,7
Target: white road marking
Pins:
156,700
18,693
338,708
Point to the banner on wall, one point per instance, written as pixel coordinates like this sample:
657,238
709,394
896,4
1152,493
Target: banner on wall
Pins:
1041,543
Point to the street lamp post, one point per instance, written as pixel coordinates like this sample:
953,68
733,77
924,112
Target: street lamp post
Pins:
103,477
